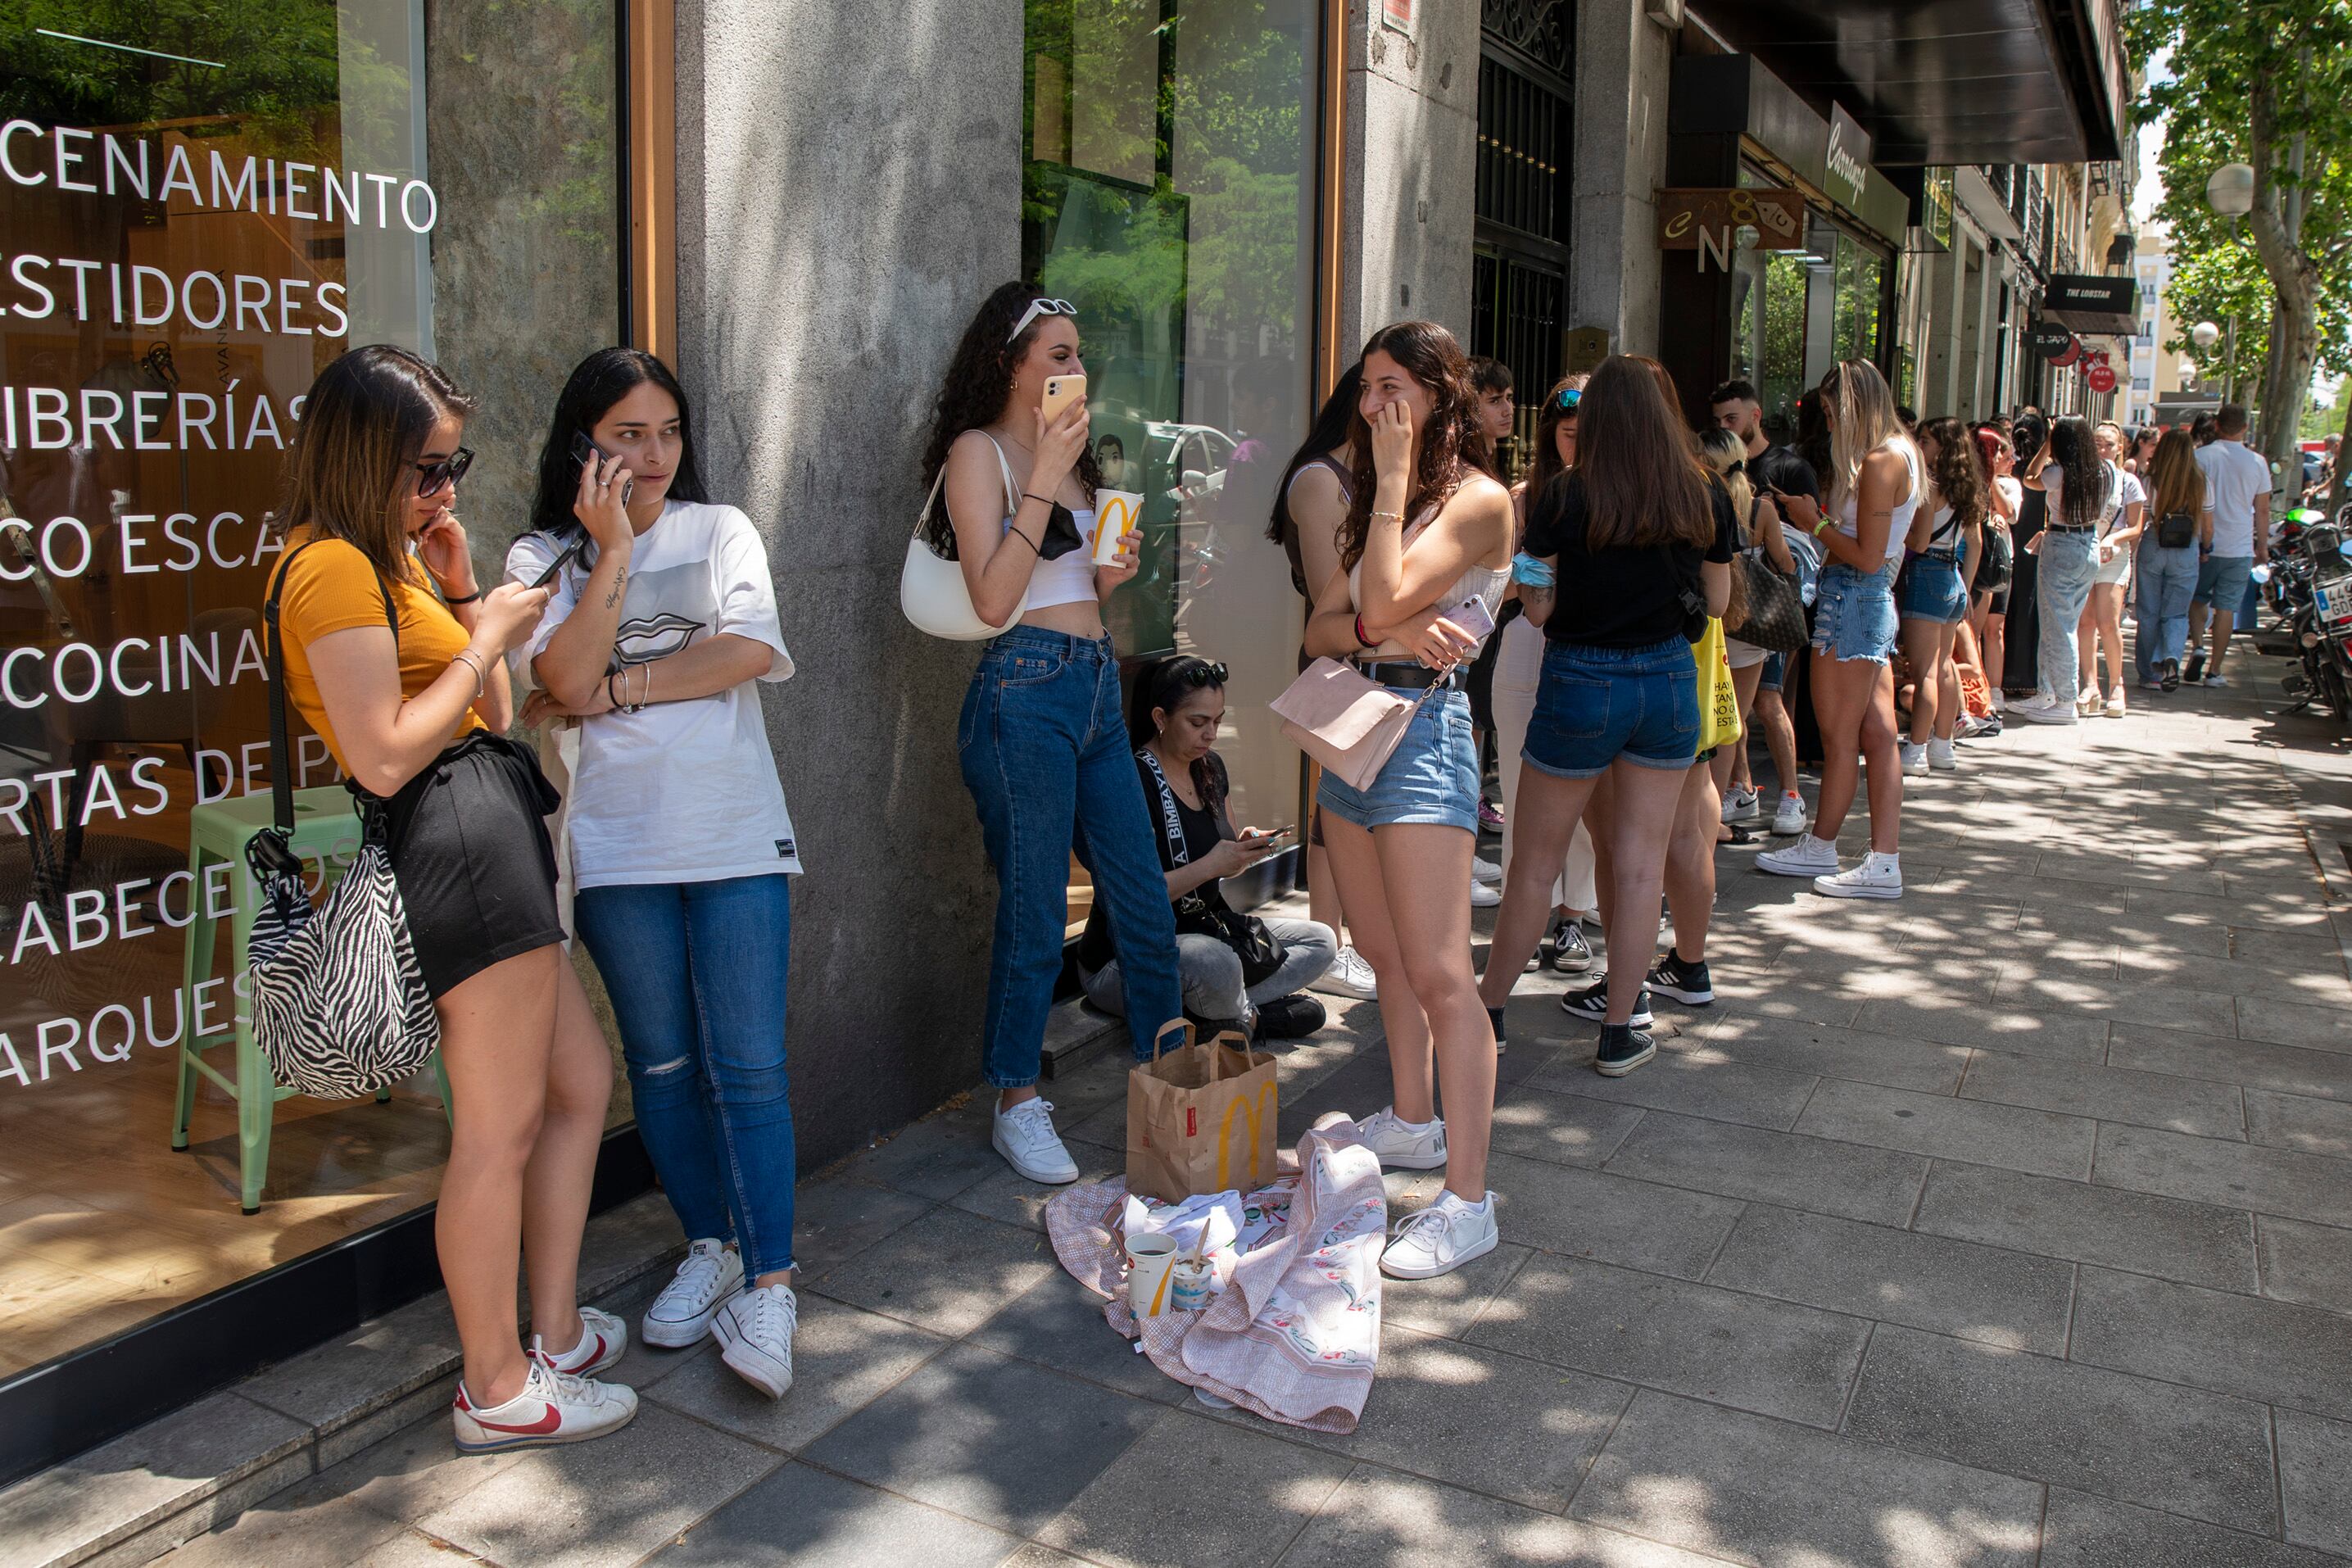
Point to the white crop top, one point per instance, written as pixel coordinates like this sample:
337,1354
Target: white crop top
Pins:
1485,582
1898,528
1069,578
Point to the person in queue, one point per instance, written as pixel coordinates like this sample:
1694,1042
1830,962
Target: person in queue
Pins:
1498,414
1876,484
662,627
1040,739
1627,555
1989,607
2113,548
1931,593
1428,533
2166,573
1173,717
417,717
2083,492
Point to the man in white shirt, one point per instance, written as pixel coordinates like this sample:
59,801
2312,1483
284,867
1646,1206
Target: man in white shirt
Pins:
2238,486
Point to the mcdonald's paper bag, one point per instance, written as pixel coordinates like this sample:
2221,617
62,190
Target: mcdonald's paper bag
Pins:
1201,1118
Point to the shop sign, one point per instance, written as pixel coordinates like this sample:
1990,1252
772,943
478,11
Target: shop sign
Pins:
1397,14
2109,295
1936,203
1709,222
2049,340
2101,378
2071,354
1846,169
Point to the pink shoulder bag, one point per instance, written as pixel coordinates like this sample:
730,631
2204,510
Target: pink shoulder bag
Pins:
1345,721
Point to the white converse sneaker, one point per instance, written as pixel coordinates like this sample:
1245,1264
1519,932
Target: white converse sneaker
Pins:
1441,1239
1914,758
1878,877
553,1407
1789,820
1942,757
1349,975
681,1314
604,1340
1808,857
1399,1143
1025,1135
2040,710
1485,870
757,1327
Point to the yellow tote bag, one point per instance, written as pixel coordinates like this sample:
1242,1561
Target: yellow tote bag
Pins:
1718,702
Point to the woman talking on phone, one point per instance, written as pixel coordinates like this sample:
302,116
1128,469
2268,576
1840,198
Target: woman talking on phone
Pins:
409,693
1043,748
1425,548
662,624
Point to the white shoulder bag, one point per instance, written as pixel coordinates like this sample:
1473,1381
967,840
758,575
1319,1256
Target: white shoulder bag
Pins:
932,592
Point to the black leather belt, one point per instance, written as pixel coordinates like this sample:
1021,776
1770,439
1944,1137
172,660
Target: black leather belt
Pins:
2063,528
1414,676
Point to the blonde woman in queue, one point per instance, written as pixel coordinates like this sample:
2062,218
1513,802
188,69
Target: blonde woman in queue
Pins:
415,719
1429,531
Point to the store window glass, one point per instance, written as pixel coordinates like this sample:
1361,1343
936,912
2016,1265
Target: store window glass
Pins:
201,205
1170,194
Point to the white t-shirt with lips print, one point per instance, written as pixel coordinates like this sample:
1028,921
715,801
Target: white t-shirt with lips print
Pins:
683,792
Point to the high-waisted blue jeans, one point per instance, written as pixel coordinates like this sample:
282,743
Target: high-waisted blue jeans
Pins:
2165,580
1044,754
697,971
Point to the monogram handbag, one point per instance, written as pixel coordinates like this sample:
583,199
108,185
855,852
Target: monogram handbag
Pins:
1345,721
339,1004
931,589
1776,610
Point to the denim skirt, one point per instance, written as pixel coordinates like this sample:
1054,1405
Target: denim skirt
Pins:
1853,616
1431,776
1929,589
1597,704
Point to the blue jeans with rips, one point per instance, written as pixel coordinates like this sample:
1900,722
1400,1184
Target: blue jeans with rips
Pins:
695,971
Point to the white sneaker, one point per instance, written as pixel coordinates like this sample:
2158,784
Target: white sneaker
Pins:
2041,710
1914,758
1349,975
1789,820
1025,1135
553,1407
1878,877
1740,804
1399,1143
1941,757
681,1314
757,1327
1441,1239
604,1340
1483,897
1485,870
1808,857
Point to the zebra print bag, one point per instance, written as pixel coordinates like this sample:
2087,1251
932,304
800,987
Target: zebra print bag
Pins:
338,1002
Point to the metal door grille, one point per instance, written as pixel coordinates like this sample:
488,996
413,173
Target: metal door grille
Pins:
1516,311
1523,132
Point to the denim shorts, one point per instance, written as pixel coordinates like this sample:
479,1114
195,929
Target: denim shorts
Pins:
1776,673
1853,616
1928,589
1597,704
2222,580
1431,776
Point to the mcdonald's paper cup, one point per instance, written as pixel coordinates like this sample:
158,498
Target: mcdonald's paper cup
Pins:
1116,514
1151,1268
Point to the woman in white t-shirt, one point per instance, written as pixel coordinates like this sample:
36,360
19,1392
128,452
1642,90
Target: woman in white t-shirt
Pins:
662,622
2117,542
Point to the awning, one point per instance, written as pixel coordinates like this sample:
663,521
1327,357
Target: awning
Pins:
2093,302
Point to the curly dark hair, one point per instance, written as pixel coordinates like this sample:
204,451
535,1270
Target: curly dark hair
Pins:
972,393
1959,475
1452,444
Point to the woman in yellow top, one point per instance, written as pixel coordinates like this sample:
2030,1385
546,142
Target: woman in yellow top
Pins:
414,717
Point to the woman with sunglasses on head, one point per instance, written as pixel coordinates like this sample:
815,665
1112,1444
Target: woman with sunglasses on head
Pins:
1931,596
1427,540
1173,717
662,624
1041,742
415,716
1876,484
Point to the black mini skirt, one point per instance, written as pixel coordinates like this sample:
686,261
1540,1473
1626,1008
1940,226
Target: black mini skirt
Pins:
469,847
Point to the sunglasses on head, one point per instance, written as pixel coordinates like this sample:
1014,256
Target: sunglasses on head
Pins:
433,477
1204,673
1568,398
1040,308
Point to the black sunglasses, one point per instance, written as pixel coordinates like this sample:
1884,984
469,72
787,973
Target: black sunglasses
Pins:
433,477
1204,673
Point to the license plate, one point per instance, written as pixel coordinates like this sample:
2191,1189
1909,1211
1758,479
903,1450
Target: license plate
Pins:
2334,609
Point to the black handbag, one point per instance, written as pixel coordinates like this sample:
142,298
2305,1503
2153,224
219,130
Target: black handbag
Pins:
1247,935
1776,607
2175,530
1995,562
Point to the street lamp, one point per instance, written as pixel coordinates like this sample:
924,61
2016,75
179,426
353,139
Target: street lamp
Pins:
2230,192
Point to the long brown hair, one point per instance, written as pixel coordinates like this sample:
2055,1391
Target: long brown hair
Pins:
2176,483
1547,466
1957,476
1643,481
350,473
1452,441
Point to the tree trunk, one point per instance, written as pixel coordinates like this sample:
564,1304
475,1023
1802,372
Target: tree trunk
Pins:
2342,488
2295,318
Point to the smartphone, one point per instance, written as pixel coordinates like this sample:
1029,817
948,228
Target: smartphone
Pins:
556,566
586,452
1254,836
1060,391
1472,616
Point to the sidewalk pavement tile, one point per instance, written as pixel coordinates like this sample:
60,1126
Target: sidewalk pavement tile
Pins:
1381,1519
2193,1242
1719,1090
2204,1454
612,1502
1447,1305
1785,1168
307,1526
1763,1491
2206,1170
2008,1298
1977,1022
948,1272
1806,1003
1191,1491
2306,1263
2123,1002
987,1436
836,1219
843,1359
2283,1022
1591,1214
2300,1122
2289,1070
2233,910
1825,1050
2315,1458
1542,1124
811,1520
2085,1531
2109,1093
1010,1196
1476,1418
935,1158
1058,1322
2276,1351
1711,1343
2038,1142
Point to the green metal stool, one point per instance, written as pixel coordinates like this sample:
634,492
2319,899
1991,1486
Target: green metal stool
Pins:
326,830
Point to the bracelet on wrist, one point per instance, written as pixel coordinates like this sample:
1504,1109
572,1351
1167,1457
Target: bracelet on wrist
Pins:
1361,640
454,600
612,699
1393,516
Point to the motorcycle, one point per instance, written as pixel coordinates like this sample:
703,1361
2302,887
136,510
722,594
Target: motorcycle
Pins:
2313,575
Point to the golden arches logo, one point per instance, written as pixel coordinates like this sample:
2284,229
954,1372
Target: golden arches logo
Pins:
1263,1106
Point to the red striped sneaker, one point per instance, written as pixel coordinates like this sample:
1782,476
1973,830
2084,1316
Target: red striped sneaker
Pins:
604,1340
553,1407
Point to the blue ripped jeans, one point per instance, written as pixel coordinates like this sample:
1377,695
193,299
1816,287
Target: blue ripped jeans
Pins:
1043,743
695,971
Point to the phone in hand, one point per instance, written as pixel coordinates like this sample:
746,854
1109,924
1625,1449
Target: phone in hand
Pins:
1473,617
1061,391
1260,836
586,453
556,566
